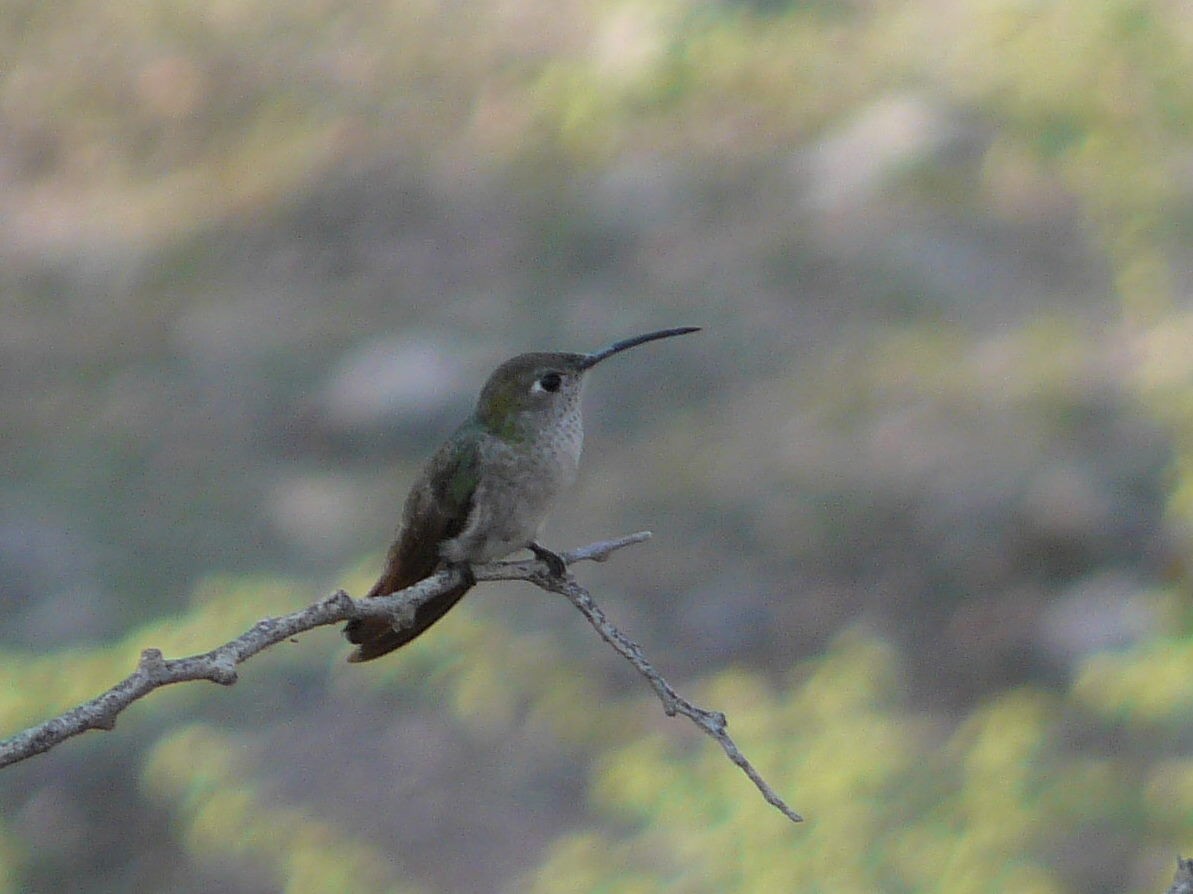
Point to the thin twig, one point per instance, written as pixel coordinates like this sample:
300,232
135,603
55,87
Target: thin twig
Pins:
714,723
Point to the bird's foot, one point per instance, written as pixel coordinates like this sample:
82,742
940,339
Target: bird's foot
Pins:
466,572
552,560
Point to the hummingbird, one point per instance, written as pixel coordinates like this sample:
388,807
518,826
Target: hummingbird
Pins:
486,492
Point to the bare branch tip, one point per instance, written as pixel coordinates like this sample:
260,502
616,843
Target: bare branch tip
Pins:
628,540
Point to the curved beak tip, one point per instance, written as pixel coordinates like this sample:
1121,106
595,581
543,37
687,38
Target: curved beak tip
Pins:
597,356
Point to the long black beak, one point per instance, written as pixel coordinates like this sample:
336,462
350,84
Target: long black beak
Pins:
597,356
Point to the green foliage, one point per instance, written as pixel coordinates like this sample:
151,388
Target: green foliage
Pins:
1149,685
889,806
892,802
1100,95
225,817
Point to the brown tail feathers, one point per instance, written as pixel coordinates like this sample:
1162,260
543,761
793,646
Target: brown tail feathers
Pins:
374,637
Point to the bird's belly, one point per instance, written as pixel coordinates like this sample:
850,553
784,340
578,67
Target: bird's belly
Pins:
508,510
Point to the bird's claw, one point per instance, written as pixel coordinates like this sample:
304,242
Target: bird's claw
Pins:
554,562
466,572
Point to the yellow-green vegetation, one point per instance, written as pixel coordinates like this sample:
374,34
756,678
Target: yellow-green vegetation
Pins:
892,805
1152,685
225,818
894,800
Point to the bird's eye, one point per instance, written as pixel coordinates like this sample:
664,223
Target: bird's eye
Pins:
550,381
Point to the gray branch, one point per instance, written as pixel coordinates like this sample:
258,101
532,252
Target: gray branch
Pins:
219,665
714,723
1182,882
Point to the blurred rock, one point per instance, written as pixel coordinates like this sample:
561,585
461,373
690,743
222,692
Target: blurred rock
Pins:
53,819
50,589
850,165
1106,610
1068,503
395,381
639,193
317,514
727,616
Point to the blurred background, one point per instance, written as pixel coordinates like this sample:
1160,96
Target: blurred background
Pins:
922,489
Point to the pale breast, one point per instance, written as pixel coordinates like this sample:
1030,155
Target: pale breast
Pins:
518,485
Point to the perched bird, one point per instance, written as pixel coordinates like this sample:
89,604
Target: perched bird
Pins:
486,491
